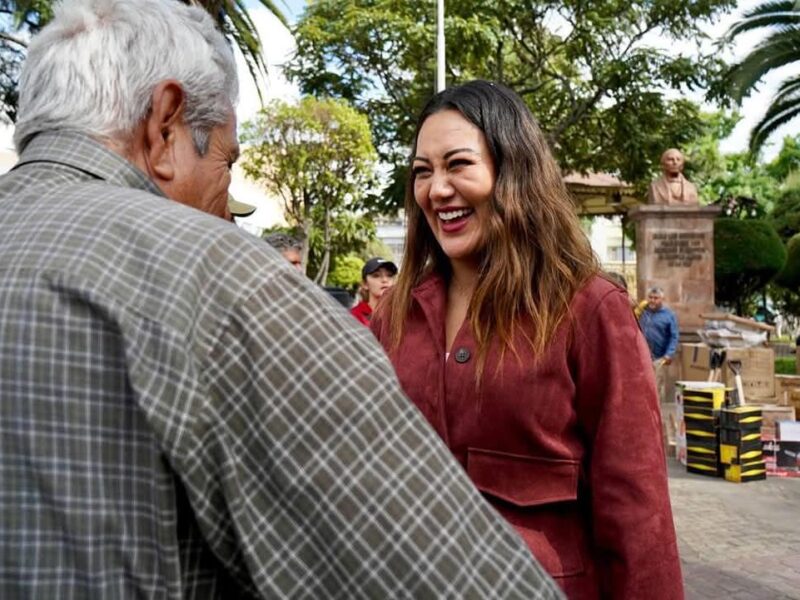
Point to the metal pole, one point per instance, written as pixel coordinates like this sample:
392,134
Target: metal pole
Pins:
439,45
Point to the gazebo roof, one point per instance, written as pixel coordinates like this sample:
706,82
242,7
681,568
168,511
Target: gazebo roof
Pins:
600,193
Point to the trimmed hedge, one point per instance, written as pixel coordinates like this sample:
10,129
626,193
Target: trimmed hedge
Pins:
748,253
789,277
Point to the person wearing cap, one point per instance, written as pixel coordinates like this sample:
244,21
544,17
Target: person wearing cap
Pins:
377,277
180,415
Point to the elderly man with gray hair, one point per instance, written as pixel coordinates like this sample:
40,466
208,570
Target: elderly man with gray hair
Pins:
183,414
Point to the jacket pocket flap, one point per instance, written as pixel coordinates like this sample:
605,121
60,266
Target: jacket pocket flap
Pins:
523,480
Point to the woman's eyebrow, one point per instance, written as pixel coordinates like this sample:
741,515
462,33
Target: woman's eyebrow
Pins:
448,154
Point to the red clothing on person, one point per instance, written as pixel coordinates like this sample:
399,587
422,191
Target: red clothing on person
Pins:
567,447
363,312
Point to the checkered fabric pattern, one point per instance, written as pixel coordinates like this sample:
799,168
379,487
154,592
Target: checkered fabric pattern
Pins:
183,415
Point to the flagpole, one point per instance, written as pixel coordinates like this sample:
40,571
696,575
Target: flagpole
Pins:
439,45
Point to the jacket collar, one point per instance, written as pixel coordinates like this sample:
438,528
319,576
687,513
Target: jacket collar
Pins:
431,296
79,151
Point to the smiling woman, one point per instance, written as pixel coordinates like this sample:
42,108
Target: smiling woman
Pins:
528,364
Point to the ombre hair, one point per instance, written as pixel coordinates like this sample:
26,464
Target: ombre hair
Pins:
535,255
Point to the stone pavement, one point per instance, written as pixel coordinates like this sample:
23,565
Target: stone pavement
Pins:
737,541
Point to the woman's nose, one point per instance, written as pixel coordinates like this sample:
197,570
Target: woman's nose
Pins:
440,187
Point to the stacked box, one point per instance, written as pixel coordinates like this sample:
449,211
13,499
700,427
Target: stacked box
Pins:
740,448
700,407
754,471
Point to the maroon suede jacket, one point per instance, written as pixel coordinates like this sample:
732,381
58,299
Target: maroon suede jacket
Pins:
567,447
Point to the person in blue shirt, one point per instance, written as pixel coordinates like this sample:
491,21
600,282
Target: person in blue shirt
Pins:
660,328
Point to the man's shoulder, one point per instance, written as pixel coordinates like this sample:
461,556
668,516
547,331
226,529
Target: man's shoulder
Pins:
142,250
668,311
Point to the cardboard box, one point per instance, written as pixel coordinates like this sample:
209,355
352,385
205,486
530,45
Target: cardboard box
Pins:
694,362
770,415
715,392
789,431
785,386
755,471
793,399
758,369
788,455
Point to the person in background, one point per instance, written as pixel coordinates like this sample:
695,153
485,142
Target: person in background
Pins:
527,361
185,415
660,327
377,277
289,246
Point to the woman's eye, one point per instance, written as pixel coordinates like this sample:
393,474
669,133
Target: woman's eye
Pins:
458,162
420,171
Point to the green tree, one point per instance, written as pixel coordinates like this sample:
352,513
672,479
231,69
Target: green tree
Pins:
781,47
584,68
21,18
785,216
347,272
743,186
789,277
317,156
350,233
740,275
787,162
785,289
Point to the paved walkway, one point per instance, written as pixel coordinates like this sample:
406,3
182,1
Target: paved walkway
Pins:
737,541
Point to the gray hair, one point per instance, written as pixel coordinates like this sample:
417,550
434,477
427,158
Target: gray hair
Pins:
93,69
283,241
655,290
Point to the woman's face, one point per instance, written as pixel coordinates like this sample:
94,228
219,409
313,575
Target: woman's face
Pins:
378,282
454,179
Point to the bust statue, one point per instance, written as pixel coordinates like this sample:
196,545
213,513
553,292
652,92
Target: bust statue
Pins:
672,187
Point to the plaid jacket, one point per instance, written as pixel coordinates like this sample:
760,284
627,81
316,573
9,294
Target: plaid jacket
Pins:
181,415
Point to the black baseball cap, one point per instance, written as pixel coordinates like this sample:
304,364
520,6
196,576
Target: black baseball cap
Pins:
373,264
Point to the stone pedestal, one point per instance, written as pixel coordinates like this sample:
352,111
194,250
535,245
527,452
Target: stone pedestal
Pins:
675,251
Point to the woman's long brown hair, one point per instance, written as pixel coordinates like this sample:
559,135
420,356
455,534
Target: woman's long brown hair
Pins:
535,257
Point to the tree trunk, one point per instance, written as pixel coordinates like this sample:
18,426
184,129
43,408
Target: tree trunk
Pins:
322,274
305,226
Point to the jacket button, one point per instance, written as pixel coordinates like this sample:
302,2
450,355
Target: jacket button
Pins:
462,355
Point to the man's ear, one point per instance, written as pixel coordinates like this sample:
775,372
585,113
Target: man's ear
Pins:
162,128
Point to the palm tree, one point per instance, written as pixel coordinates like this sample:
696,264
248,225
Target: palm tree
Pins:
234,21
781,47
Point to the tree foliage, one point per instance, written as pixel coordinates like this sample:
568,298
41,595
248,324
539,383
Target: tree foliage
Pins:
785,289
588,70
781,47
21,18
740,275
786,214
347,272
744,187
317,156
787,162
789,277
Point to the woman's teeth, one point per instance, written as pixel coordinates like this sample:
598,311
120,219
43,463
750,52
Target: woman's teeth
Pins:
454,214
